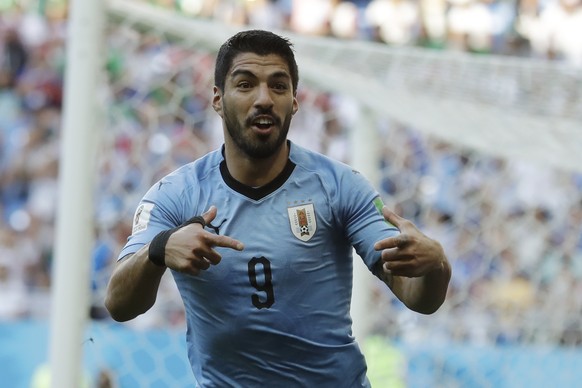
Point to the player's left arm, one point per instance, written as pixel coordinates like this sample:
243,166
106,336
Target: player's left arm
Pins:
414,266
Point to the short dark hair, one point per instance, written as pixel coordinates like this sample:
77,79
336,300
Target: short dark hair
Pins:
259,42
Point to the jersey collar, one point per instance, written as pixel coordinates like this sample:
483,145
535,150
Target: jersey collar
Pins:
258,192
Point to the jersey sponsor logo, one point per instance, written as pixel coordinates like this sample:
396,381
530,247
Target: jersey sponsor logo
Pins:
141,218
302,221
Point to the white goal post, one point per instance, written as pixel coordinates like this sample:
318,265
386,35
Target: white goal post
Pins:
75,223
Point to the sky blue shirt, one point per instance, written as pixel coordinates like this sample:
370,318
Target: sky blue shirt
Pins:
277,313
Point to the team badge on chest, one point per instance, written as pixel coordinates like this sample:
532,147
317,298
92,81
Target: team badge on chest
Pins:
302,221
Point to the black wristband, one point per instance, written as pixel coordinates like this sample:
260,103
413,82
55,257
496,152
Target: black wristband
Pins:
157,248
195,220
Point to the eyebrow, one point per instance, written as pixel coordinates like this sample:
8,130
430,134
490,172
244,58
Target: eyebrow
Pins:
242,72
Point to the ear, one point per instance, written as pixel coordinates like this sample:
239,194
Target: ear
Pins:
217,100
295,105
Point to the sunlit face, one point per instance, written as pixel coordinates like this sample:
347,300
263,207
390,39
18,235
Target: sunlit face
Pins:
257,104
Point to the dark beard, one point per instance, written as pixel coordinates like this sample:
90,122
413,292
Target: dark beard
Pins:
256,148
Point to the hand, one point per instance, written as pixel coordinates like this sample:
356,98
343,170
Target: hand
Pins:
190,249
411,253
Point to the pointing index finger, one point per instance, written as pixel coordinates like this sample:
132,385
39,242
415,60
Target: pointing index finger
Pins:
227,242
391,217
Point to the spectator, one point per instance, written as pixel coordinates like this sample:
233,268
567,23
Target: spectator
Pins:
14,58
470,26
397,22
556,33
311,17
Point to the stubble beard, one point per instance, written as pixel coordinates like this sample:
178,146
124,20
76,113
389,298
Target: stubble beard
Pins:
255,147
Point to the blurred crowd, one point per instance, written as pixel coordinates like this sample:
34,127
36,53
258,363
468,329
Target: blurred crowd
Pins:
539,28
513,230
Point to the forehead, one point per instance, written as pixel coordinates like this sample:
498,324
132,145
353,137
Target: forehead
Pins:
258,64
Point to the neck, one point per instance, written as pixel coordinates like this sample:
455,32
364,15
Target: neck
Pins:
255,172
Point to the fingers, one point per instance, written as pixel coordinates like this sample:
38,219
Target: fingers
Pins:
210,214
398,241
401,269
191,249
392,217
204,253
410,253
397,255
226,242
410,256
203,256
396,263
217,240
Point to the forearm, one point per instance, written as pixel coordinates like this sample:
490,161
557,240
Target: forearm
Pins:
133,286
424,294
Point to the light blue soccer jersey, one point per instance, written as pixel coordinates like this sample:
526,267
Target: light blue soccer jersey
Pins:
277,313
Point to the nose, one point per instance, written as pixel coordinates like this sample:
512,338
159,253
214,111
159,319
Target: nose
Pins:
264,99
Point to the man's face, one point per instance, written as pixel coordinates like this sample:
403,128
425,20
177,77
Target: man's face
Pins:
257,104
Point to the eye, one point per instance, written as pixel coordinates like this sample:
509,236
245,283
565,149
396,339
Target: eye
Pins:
280,86
244,85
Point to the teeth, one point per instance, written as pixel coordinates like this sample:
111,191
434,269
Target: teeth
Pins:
264,122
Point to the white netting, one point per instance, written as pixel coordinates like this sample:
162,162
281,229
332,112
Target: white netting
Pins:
487,103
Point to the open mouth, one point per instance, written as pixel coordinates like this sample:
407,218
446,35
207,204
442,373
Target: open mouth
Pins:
263,123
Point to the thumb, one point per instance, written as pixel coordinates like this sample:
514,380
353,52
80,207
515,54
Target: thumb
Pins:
210,214
391,217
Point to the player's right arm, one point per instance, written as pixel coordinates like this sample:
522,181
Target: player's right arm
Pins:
134,283
133,286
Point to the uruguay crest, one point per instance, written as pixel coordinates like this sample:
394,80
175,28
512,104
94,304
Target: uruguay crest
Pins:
302,221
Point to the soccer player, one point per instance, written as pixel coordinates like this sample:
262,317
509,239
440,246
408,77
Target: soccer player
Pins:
259,234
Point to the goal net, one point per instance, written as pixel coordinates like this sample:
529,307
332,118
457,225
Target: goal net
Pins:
481,152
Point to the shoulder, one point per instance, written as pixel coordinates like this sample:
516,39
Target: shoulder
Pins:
189,176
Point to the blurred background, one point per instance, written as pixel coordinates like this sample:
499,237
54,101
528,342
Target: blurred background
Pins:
511,227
